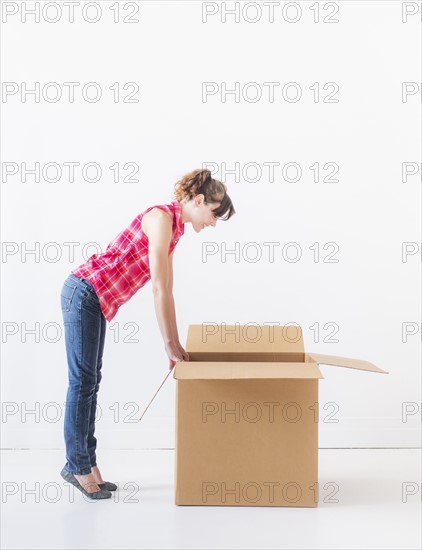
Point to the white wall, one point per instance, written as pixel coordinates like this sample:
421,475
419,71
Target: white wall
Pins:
370,296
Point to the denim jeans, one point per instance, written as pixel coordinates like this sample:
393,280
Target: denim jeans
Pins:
84,328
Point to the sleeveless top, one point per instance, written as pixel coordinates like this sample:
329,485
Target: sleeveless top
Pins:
123,268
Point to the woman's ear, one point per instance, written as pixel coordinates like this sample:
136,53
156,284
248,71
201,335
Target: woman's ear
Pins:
199,199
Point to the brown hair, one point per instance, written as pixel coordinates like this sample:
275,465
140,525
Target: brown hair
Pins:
201,181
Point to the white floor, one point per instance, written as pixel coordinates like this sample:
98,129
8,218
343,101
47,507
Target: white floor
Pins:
374,508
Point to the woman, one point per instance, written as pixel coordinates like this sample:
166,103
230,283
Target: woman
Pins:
93,292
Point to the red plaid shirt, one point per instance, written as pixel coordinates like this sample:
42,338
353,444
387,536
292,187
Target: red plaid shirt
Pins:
123,268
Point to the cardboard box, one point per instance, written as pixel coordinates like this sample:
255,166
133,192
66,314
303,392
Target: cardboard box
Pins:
247,416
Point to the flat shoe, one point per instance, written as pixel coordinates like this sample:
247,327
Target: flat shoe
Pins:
107,485
69,477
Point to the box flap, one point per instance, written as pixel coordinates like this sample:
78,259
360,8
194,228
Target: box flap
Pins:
243,356
222,338
337,361
209,370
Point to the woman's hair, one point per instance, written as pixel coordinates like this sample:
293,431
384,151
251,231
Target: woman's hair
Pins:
201,181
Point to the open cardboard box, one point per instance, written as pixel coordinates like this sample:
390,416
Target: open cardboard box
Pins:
247,416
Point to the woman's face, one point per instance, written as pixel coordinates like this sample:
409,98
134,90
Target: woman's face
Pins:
202,215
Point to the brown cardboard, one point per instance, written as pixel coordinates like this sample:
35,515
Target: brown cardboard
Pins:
247,416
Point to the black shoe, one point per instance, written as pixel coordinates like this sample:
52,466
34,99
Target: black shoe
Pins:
102,493
107,485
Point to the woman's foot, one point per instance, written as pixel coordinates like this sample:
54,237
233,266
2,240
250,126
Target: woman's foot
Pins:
85,484
96,474
88,482
105,485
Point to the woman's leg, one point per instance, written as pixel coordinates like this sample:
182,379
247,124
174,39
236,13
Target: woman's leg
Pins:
82,318
92,440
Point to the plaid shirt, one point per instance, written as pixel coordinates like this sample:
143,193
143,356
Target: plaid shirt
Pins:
123,268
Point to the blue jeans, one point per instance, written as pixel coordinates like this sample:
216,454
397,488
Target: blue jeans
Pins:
84,328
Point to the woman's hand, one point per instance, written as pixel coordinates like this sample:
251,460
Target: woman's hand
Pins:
175,353
184,353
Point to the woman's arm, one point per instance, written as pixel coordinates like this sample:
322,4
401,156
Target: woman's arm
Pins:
159,229
185,354
170,287
157,225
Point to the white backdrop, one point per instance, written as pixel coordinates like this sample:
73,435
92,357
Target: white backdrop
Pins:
314,163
